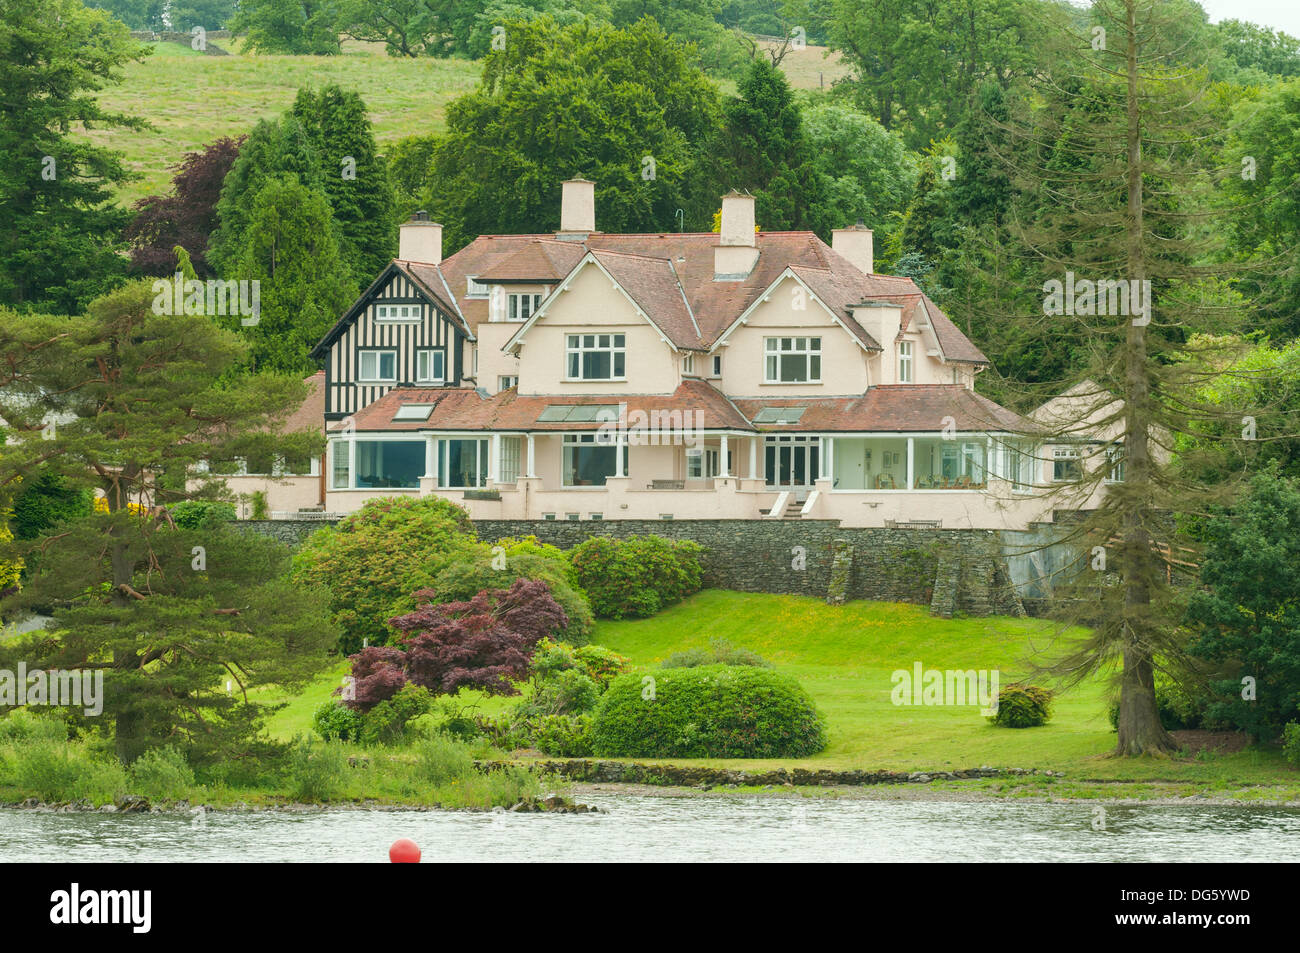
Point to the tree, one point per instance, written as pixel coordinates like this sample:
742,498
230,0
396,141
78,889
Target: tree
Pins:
136,14
288,26
762,149
865,172
291,249
274,148
1247,613
375,558
485,644
59,231
1251,47
405,27
559,102
354,177
131,398
185,217
1108,137
185,15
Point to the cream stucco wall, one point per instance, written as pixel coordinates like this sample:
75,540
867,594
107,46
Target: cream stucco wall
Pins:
592,305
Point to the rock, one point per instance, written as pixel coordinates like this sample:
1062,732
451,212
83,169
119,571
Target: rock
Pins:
108,809
132,804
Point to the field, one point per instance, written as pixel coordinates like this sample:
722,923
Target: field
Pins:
845,655
192,99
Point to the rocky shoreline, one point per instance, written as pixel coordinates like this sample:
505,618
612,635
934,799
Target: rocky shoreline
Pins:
135,804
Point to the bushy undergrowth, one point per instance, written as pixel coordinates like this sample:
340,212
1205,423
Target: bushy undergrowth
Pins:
719,652
638,576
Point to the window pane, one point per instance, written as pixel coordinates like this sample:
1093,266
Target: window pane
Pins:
619,370
340,477
575,362
389,463
815,368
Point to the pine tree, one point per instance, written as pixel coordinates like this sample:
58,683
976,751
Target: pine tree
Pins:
129,400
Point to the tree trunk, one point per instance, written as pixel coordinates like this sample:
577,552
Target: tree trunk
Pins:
129,728
1139,728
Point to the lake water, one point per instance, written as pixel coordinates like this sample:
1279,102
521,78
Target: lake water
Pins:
641,828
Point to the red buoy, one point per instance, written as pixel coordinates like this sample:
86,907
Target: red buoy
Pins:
404,851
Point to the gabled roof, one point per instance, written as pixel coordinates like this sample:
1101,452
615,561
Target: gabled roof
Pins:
427,280
538,262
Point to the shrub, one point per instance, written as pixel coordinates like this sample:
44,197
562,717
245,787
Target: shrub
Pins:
261,510
196,514
46,502
1291,742
1178,707
376,559
1022,707
719,652
467,577
23,725
565,693
712,711
638,576
386,722
440,760
318,770
507,732
602,664
162,773
563,736
60,770
336,722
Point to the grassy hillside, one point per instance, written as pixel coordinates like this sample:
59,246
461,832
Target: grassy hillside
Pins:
844,656
192,99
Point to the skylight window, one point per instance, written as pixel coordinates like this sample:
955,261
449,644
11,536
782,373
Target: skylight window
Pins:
577,413
413,412
779,415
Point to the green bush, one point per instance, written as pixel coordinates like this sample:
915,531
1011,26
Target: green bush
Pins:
318,770
1022,707
24,725
386,723
1179,708
261,509
712,711
61,770
196,514
46,502
440,760
469,576
569,692
334,721
719,652
601,664
563,736
637,576
162,773
376,559
1291,742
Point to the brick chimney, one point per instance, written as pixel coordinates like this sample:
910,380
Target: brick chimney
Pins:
855,244
420,240
736,253
577,208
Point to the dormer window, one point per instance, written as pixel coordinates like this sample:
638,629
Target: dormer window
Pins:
474,289
520,307
904,362
792,360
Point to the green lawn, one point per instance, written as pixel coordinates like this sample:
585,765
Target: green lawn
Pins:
844,656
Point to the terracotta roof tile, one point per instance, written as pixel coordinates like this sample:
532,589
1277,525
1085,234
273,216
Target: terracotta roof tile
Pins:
894,408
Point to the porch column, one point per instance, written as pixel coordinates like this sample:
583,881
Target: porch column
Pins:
430,467
619,444
753,458
725,470
830,458
528,472
352,462
494,463
911,457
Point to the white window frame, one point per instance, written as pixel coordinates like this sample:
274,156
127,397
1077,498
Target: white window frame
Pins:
1060,454
507,381
1115,463
905,362
378,354
473,289
688,364
715,365
776,351
397,313
430,352
514,306
616,347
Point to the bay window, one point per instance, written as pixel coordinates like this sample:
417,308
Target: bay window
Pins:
589,461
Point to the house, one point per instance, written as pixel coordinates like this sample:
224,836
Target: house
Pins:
743,374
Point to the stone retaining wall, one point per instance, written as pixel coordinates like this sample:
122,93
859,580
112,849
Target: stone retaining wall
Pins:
951,570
